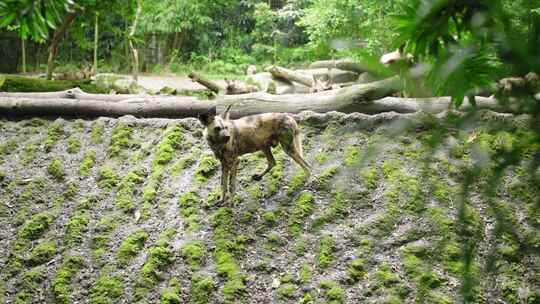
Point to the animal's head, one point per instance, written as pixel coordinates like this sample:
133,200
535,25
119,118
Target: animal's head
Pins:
217,126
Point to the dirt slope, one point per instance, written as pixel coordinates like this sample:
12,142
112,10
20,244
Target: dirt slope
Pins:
123,211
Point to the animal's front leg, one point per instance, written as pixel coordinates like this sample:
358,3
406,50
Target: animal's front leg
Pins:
224,181
232,178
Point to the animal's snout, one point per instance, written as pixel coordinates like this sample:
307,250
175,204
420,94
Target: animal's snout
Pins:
226,138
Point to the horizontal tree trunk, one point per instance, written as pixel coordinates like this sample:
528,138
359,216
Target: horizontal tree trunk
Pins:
211,85
364,98
342,64
290,75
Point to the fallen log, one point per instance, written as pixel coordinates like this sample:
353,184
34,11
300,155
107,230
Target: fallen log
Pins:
211,85
364,98
342,64
290,75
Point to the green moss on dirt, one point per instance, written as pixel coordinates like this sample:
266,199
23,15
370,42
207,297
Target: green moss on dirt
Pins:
202,287
207,168
87,163
332,292
131,246
107,289
55,132
171,295
226,247
182,164
168,146
120,140
74,145
42,253
297,182
306,274
107,178
189,204
76,228
302,209
125,196
159,257
29,153
323,181
325,253
8,147
30,281
194,253
30,84
36,226
96,135
61,283
56,169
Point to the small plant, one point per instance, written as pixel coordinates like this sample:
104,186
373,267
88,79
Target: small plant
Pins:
74,145
35,227
120,139
302,209
61,284
56,169
108,289
54,133
202,287
75,229
207,167
88,161
131,246
107,178
194,253
326,249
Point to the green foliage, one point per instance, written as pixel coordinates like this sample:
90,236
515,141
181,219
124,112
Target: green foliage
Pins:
56,170
55,132
96,135
28,282
75,229
159,257
125,196
15,83
194,253
120,139
300,211
168,146
332,292
107,289
298,180
107,178
189,204
74,145
207,167
131,246
324,180
171,295
61,284
36,226
88,161
42,253
202,287
325,254
356,270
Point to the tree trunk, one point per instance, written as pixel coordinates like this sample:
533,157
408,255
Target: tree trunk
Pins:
57,38
131,38
96,40
211,85
290,75
23,55
342,64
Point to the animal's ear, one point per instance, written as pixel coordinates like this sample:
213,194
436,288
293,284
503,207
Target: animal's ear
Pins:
208,117
226,114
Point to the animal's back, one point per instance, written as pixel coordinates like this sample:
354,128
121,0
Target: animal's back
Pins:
257,131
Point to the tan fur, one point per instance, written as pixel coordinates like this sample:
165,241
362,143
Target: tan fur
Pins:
229,139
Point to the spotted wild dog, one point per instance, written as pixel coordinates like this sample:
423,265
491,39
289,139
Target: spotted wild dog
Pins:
230,138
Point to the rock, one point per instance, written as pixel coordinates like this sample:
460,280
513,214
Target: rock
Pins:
106,80
167,91
275,283
127,86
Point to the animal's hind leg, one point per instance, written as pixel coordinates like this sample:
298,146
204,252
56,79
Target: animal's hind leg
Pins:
292,145
271,163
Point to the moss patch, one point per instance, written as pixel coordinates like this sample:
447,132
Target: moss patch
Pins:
74,145
202,287
54,133
42,253
193,252
131,246
15,83
87,163
36,226
75,229
56,169
207,168
107,178
189,204
61,284
120,140
125,196
300,211
108,289
325,254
